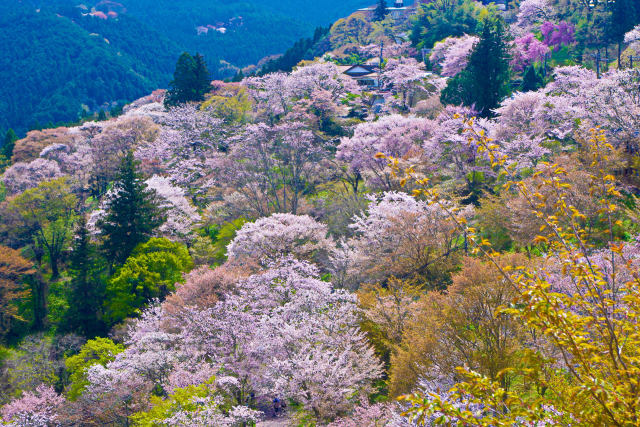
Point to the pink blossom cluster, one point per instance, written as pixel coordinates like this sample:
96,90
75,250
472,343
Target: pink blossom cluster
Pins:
532,12
282,332
556,35
36,408
526,51
633,38
279,235
452,54
394,135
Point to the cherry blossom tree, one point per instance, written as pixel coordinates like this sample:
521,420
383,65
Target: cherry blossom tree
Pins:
452,54
556,35
395,50
181,215
188,137
402,75
276,93
526,51
33,409
532,12
107,148
204,287
393,135
23,176
303,351
611,102
282,332
303,81
528,119
633,38
280,235
268,167
398,236
449,154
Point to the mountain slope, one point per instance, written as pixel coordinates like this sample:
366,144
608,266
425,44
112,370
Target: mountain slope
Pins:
61,56
51,66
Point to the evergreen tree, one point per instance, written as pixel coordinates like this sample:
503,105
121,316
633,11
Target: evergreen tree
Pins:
202,77
191,80
381,11
9,142
531,80
182,86
238,77
484,83
85,289
625,14
132,213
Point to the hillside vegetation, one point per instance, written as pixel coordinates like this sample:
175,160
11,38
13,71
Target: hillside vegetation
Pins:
451,239
64,60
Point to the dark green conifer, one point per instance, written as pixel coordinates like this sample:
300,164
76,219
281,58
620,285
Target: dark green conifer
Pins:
133,213
484,83
381,11
8,144
531,80
202,77
625,14
86,291
191,80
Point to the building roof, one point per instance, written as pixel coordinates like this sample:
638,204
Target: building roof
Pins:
360,70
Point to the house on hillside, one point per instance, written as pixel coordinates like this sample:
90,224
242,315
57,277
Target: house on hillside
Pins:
363,74
397,11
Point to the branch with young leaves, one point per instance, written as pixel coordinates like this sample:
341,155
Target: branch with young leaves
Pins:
592,326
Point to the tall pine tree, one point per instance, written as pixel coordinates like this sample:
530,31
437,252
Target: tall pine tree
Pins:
202,77
381,11
8,143
625,14
132,214
191,80
86,289
531,80
484,83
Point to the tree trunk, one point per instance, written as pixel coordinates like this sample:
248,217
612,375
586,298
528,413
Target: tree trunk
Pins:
619,54
40,289
55,272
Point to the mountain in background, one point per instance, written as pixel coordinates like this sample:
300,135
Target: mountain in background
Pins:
61,58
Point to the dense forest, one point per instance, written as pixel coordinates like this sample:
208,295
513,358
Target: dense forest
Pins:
92,57
448,236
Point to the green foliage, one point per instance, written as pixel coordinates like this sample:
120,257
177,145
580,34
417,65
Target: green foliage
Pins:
191,80
44,215
181,400
440,19
381,11
484,83
150,272
96,351
305,48
85,291
73,60
132,215
8,143
29,365
224,236
532,79
210,248
231,108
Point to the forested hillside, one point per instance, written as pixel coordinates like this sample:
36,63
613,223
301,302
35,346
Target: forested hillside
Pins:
435,221
66,58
